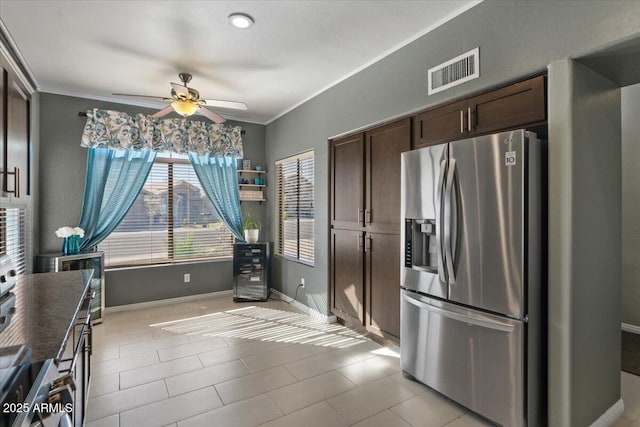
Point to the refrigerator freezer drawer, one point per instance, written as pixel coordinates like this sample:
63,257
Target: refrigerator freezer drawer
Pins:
474,358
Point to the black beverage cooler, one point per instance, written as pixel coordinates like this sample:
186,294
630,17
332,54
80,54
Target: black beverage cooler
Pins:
251,271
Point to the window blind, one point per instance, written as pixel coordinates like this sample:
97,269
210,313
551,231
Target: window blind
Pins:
295,207
172,220
13,236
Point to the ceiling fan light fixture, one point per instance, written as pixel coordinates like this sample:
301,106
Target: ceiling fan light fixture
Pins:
241,20
184,108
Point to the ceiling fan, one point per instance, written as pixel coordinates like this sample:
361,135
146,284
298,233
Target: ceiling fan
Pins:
186,101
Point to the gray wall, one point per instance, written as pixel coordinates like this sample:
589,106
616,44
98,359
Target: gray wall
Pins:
631,205
61,181
516,39
585,201
144,284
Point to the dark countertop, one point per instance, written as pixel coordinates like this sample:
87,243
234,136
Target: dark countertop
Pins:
46,307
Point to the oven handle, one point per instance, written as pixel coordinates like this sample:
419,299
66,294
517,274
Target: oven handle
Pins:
471,320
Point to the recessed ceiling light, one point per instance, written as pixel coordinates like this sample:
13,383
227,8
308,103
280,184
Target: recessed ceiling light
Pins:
240,20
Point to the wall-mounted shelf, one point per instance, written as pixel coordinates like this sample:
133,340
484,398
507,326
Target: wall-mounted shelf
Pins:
251,192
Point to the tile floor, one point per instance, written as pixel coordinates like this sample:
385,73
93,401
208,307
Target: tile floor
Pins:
217,363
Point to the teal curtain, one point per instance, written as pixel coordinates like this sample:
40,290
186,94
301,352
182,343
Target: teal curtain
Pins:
219,179
113,181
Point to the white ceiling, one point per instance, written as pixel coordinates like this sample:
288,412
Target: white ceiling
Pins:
295,50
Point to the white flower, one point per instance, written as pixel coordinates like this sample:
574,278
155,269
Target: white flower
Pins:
69,231
63,232
79,231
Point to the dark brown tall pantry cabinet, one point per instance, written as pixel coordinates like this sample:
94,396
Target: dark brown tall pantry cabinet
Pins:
365,227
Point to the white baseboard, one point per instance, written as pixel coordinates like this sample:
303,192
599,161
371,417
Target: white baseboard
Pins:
610,416
631,328
167,301
310,311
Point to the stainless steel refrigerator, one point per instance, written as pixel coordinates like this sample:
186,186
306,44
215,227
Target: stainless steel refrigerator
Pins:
471,311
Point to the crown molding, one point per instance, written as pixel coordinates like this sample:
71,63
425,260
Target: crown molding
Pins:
378,58
14,57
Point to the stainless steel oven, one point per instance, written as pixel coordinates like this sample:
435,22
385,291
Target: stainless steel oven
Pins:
44,365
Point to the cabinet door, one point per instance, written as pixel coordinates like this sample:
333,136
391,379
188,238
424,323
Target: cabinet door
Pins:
347,284
440,125
18,147
347,182
383,284
3,142
384,146
508,108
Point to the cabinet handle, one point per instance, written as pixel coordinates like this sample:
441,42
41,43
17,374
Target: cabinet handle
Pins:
367,213
461,121
469,119
367,246
66,379
359,240
16,182
359,216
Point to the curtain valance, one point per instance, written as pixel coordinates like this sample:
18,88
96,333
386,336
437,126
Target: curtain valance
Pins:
117,130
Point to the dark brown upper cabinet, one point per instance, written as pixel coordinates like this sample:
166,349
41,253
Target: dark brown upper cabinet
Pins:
15,151
517,105
347,182
384,146
439,125
365,178
17,142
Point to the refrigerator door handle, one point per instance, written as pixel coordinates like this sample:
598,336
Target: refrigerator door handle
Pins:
470,320
448,221
439,224
453,202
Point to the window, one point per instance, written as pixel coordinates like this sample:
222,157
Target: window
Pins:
294,208
13,236
171,221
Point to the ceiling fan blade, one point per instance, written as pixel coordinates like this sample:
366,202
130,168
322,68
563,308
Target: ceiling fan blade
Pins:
211,115
234,105
163,112
140,96
180,89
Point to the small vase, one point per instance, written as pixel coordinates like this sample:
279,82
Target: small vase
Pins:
251,236
71,245
74,247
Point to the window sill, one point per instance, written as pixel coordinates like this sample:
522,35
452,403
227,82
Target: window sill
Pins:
168,264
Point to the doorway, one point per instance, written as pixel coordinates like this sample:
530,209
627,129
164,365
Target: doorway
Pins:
588,243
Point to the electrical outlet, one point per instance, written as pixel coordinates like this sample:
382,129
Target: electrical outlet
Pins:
187,277
302,282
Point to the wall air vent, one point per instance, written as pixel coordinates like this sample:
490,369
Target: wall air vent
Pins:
455,71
